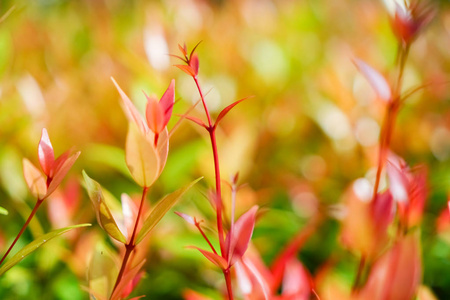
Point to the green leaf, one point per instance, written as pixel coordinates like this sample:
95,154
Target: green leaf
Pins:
28,249
161,209
3,211
104,215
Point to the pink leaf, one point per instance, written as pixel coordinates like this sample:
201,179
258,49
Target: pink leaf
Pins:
397,273
45,152
130,110
224,112
62,167
130,212
214,258
167,101
243,230
35,179
186,217
375,79
251,281
154,115
296,280
398,183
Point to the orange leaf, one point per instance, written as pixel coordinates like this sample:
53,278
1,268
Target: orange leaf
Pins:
187,69
214,258
35,179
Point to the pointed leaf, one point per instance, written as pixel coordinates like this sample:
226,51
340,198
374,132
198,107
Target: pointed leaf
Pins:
129,211
243,230
194,64
161,209
130,110
398,183
45,153
154,115
193,50
251,280
60,171
375,79
224,112
183,49
141,157
31,247
195,120
167,101
212,257
186,217
296,280
35,180
104,216
186,69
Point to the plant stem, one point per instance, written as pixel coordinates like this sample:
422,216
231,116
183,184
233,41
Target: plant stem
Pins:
129,247
387,129
33,212
205,237
227,275
212,135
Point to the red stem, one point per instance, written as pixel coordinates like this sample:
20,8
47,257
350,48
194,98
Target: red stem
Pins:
227,275
212,135
205,237
387,130
33,212
129,247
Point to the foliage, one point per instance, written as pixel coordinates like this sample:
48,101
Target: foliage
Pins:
320,129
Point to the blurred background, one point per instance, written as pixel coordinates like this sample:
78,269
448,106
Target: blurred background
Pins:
307,133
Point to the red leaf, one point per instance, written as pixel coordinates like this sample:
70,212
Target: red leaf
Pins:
375,79
194,64
214,258
167,101
240,237
226,110
62,167
45,152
